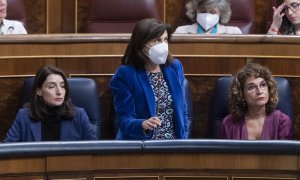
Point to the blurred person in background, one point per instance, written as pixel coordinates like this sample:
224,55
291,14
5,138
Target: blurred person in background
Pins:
9,26
286,18
209,17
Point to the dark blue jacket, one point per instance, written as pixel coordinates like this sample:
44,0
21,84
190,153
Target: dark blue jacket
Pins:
134,100
24,129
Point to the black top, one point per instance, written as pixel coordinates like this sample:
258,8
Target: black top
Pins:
51,126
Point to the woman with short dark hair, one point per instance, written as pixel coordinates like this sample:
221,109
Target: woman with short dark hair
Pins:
148,88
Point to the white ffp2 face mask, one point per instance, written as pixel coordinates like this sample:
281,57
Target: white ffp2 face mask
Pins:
207,20
158,53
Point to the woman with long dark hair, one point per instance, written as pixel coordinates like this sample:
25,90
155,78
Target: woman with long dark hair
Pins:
50,115
286,18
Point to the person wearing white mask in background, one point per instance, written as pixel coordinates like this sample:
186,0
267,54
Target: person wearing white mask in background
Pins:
209,17
9,26
148,88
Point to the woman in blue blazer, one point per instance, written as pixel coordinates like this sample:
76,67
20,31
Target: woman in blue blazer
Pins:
50,115
148,88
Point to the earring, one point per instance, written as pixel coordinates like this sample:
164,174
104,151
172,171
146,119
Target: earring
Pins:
244,104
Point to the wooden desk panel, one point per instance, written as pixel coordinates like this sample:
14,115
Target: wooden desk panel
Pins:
205,58
101,53
159,166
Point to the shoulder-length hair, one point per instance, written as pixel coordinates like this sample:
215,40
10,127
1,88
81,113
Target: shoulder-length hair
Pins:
143,32
238,106
195,5
286,28
38,109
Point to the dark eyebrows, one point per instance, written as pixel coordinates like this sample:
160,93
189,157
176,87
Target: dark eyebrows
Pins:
263,81
54,83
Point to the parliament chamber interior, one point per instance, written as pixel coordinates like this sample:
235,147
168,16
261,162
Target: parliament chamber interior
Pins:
87,39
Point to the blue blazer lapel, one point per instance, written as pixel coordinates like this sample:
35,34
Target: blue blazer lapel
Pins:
35,128
144,81
177,93
65,127
174,86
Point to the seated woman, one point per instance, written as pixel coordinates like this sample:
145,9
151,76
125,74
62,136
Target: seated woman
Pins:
50,115
286,18
148,88
209,17
253,98
9,26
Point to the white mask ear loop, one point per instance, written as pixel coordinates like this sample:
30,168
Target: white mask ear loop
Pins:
147,54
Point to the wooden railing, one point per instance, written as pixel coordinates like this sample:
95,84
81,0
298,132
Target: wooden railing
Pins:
151,160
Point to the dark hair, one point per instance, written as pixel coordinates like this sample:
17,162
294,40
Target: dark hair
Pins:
38,109
238,107
143,32
286,28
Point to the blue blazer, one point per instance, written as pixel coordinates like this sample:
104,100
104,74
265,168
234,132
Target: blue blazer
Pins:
134,100
24,129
